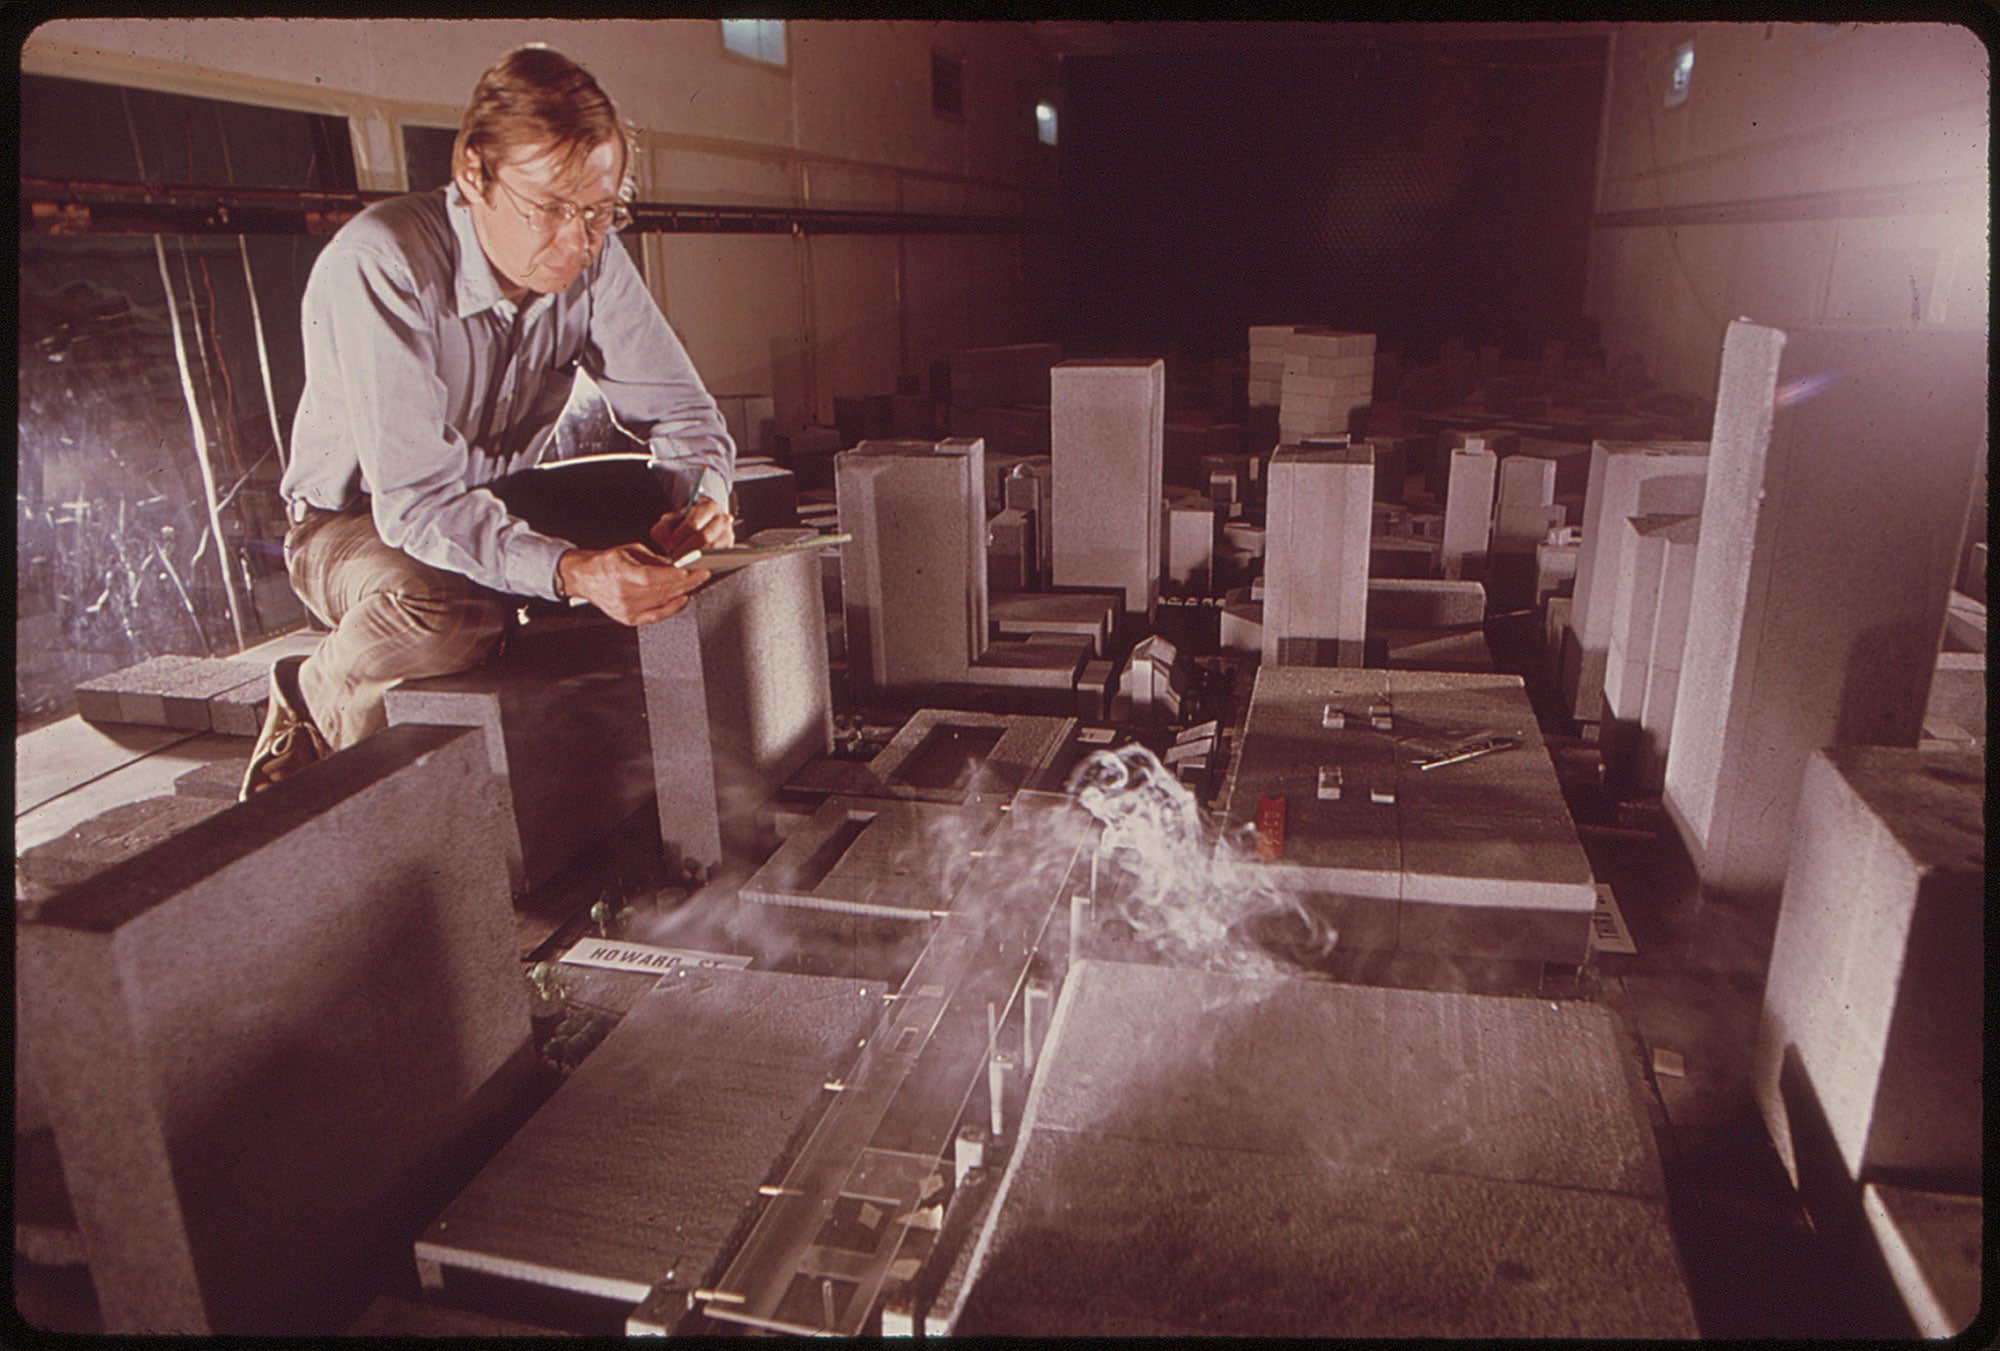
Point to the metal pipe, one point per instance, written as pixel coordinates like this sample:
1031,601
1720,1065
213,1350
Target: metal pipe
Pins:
263,351
200,448
74,206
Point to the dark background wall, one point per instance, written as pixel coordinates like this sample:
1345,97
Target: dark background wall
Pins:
1414,189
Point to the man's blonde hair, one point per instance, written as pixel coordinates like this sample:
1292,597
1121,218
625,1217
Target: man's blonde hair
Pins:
536,96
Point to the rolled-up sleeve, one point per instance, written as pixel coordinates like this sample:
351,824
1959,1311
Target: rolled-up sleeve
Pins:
366,315
652,387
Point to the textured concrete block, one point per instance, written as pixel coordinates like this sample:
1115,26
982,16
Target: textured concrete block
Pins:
240,710
737,698
1160,1181
217,781
1468,509
1316,559
1627,479
169,691
1046,661
256,1038
913,578
647,1160
1526,490
1107,456
1875,1006
1402,603
1805,632
1073,613
129,695
110,837
561,710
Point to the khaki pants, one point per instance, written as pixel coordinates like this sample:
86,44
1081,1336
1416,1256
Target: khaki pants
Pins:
393,618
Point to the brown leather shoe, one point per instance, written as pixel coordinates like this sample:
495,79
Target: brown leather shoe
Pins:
289,741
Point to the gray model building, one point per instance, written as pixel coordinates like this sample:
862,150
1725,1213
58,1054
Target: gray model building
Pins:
1315,735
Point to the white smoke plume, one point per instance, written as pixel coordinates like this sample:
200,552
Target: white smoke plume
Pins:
1190,890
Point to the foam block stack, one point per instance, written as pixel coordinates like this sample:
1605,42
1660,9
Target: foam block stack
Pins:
1326,375
199,694
1267,363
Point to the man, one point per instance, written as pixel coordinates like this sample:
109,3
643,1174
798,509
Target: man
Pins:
443,331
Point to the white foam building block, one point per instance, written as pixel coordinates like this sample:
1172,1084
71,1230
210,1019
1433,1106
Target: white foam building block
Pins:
1527,490
737,699
913,578
1468,508
1267,363
1875,1005
1108,460
1326,374
1648,634
1190,540
1842,465
1316,564
1627,479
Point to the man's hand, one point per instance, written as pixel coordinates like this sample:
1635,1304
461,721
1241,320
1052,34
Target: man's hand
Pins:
706,524
630,583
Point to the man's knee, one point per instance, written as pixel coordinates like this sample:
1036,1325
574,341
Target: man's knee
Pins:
443,602
446,624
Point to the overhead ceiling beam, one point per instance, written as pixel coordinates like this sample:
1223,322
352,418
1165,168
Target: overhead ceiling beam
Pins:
1079,37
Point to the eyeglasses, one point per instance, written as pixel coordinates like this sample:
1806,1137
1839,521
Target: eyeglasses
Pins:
549,217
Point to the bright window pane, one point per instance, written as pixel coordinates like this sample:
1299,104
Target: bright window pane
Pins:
758,39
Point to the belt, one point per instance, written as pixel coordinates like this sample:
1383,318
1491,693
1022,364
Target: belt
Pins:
298,510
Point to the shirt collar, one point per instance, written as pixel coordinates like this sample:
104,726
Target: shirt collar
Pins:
475,287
